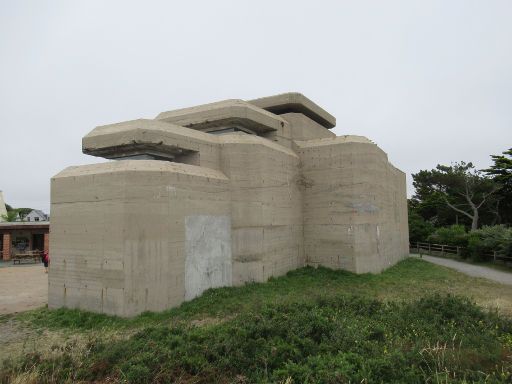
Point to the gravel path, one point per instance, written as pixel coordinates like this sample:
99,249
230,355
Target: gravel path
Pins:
22,288
471,270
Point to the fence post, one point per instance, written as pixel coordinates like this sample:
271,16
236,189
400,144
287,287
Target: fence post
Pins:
429,249
494,255
442,250
458,251
419,249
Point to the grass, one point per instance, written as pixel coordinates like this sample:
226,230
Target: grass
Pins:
416,322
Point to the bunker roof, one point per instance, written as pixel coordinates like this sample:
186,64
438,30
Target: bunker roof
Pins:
296,102
143,137
225,113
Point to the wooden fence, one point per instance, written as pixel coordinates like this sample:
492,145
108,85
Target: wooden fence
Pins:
443,250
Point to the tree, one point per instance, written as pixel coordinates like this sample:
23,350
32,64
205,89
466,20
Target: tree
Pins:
501,170
10,216
22,212
460,187
419,228
501,173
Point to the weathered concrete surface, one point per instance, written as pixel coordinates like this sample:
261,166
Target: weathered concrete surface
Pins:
207,253
118,240
355,214
153,137
266,207
218,209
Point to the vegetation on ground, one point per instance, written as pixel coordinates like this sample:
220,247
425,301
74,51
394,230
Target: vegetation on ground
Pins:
477,244
410,324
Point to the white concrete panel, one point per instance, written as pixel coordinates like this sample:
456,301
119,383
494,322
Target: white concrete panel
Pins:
208,254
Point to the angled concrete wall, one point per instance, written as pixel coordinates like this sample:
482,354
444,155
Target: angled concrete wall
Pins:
266,207
355,214
122,230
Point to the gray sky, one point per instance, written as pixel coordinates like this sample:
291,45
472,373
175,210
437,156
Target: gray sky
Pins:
429,81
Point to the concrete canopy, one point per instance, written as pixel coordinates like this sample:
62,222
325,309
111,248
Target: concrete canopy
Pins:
295,102
222,114
143,136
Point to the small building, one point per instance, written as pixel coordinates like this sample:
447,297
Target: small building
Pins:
23,238
36,215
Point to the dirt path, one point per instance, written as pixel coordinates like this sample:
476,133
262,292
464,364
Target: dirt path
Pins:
22,288
471,270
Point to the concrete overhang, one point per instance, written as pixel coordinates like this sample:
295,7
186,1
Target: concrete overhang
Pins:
223,114
334,140
135,166
143,137
295,102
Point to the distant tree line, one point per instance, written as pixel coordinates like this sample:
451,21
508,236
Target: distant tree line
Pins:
461,205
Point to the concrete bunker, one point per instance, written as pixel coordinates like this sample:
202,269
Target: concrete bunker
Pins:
219,195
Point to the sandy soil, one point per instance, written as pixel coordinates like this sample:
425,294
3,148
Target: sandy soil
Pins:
22,288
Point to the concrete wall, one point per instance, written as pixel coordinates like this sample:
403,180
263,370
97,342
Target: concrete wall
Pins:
355,214
266,207
304,128
119,235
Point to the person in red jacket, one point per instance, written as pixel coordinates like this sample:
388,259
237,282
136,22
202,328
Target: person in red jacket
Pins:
46,260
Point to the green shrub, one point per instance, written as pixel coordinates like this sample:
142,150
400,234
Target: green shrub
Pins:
506,244
419,229
477,244
488,239
454,235
329,340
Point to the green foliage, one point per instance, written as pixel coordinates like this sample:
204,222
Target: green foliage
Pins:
460,194
501,172
23,212
329,340
10,216
70,319
14,214
301,285
488,239
478,244
460,187
453,235
506,244
419,228
302,327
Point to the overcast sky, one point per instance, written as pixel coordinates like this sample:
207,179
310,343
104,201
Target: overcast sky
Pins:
428,81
